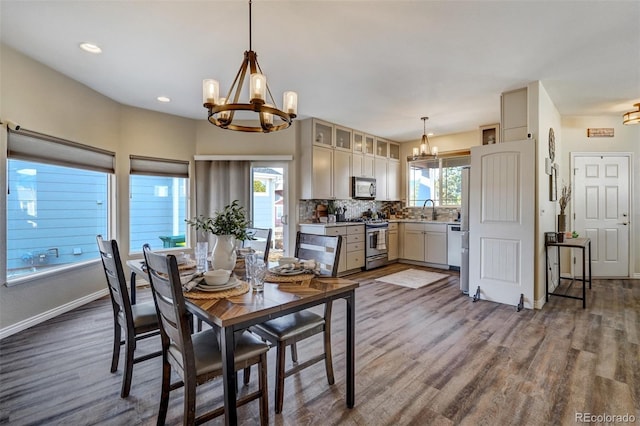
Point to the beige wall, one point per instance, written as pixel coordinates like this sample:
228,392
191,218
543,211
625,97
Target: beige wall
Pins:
42,100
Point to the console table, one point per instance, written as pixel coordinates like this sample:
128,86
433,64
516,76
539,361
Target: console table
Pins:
583,244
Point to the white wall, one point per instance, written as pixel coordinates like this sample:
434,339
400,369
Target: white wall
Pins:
626,139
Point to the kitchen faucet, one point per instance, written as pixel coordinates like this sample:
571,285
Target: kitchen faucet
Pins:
434,215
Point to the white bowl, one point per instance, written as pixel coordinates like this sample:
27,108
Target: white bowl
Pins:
217,277
287,260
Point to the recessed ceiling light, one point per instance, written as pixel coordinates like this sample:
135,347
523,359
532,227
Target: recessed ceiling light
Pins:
430,134
163,99
90,47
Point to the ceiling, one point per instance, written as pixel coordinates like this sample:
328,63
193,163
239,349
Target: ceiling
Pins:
375,66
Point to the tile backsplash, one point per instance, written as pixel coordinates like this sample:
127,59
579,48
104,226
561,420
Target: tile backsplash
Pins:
355,209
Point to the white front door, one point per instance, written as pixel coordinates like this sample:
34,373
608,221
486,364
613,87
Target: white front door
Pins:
601,210
502,222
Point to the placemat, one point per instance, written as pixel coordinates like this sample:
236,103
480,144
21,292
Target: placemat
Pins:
237,291
302,278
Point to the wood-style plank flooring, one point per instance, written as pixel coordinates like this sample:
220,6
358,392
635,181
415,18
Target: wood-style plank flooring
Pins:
425,356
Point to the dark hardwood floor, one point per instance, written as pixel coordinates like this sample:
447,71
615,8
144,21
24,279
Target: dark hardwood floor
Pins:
425,356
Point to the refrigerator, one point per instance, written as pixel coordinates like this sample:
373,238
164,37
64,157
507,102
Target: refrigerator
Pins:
464,228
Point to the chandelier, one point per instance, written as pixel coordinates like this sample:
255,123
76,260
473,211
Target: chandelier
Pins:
222,111
424,151
632,117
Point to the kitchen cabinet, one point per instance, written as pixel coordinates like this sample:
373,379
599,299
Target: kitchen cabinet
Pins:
392,248
358,143
393,180
394,151
514,115
369,142
343,138
351,257
325,171
380,172
425,242
382,148
362,165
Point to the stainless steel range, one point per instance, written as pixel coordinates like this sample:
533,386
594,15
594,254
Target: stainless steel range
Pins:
376,241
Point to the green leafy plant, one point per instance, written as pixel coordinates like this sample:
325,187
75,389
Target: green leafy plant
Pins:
232,220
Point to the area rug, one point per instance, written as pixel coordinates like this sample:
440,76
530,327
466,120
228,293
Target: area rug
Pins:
412,278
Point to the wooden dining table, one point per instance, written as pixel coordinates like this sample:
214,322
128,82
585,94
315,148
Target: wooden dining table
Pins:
236,313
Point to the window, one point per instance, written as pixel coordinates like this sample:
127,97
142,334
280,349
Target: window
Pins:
157,203
439,180
58,201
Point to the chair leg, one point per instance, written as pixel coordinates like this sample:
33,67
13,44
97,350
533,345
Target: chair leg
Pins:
130,348
294,352
280,354
189,402
328,362
164,391
199,327
117,335
264,389
246,375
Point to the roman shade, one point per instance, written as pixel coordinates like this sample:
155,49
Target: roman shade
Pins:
158,167
32,146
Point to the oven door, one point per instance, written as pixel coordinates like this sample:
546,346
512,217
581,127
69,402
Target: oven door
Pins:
373,248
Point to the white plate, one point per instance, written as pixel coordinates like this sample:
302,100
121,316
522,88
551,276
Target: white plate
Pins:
286,271
232,283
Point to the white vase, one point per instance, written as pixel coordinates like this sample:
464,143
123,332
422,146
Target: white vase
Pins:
223,255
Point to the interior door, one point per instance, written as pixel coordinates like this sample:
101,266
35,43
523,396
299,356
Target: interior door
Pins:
502,222
269,204
601,210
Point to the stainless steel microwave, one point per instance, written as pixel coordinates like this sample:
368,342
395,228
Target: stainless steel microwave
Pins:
363,188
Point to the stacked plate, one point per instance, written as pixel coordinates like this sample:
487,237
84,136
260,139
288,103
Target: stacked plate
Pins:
232,283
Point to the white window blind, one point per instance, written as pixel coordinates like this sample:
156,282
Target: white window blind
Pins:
37,147
158,167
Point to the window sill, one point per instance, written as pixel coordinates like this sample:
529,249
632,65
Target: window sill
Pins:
52,272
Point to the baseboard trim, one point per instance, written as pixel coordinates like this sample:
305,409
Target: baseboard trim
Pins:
40,318
539,303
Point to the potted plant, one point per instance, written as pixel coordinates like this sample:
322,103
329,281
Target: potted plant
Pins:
229,225
563,201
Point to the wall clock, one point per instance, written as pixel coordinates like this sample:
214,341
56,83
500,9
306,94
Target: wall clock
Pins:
552,144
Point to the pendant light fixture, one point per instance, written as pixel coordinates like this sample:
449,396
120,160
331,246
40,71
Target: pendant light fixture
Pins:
632,117
424,151
222,110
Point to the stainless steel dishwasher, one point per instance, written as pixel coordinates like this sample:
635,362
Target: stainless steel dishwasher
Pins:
454,245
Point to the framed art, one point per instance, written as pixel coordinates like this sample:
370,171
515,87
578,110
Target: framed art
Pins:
553,183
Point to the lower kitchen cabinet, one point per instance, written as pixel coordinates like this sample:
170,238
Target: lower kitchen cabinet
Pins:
352,251
425,242
392,249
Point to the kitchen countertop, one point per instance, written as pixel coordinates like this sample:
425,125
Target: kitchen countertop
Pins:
329,225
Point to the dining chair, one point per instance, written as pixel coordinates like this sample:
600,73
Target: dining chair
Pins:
290,329
196,357
138,321
261,241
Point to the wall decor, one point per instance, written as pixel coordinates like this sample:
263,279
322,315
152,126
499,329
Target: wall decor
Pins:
553,183
600,132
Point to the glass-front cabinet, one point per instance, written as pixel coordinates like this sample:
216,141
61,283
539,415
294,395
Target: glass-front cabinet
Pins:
358,143
382,148
394,151
322,133
369,142
343,138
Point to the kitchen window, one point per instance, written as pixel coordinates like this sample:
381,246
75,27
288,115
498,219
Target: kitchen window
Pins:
158,201
438,179
58,200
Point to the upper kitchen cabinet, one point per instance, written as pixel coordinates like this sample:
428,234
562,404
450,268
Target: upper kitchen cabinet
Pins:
514,115
369,145
394,151
358,143
382,148
322,132
325,171
343,138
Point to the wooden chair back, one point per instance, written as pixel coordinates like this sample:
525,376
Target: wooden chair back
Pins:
324,249
175,320
262,242
116,281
